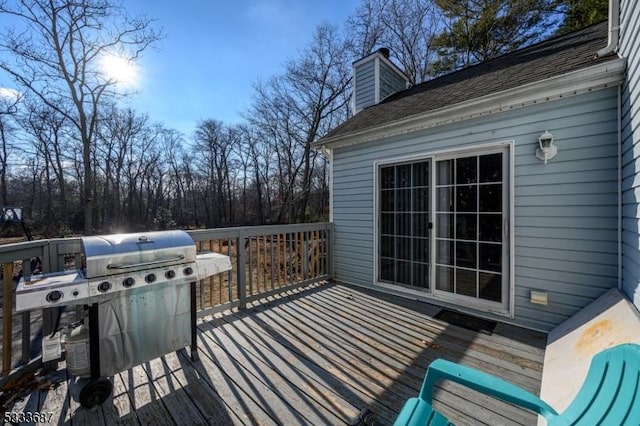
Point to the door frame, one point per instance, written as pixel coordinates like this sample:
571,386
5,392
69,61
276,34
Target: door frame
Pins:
430,295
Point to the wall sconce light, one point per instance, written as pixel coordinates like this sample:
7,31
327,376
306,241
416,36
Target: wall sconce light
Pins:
547,150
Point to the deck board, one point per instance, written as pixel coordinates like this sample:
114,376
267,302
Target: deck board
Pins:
313,356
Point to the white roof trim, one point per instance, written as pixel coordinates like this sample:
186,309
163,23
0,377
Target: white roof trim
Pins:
596,77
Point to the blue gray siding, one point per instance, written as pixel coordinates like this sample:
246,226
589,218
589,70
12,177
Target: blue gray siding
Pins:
565,211
630,49
390,81
364,78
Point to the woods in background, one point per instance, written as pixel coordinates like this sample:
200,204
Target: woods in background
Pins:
77,162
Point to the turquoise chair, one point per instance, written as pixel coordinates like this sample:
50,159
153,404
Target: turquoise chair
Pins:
610,394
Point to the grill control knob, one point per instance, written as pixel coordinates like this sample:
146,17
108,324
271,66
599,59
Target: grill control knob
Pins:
128,282
54,296
188,270
150,278
104,286
170,274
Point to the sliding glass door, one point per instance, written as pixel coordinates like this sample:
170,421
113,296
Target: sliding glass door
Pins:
443,227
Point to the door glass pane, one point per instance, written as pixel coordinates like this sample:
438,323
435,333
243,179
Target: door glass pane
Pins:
403,200
490,286
403,248
387,246
403,224
387,201
466,170
421,250
444,278
466,226
466,198
403,271
466,254
444,225
466,282
387,223
444,201
403,176
490,227
420,174
445,172
444,252
421,275
490,257
387,270
491,168
387,178
491,198
421,200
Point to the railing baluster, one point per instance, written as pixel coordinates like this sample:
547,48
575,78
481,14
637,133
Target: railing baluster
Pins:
251,256
273,259
242,291
230,272
305,255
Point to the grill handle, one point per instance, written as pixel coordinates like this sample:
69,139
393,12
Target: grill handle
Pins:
142,264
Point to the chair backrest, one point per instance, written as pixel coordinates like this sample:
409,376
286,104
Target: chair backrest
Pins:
610,393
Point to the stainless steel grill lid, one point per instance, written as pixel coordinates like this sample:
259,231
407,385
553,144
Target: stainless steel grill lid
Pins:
120,253
119,264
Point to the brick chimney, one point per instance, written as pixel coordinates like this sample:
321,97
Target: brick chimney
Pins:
374,78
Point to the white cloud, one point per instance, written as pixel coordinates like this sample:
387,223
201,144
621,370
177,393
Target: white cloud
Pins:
11,94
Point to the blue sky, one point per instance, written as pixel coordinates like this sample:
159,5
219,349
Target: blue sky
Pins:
214,51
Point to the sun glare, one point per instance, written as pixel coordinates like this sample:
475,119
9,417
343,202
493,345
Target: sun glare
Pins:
119,69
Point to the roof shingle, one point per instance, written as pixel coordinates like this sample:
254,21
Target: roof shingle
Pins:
547,59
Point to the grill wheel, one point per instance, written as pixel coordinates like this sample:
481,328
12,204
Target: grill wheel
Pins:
95,392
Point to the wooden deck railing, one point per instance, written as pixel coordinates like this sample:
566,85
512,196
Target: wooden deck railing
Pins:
266,260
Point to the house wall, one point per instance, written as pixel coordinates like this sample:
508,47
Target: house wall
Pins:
365,86
630,49
565,211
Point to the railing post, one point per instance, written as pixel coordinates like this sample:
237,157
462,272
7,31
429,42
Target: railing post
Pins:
306,240
240,258
7,320
330,237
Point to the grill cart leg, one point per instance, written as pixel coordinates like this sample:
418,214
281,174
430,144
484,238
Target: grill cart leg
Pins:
99,388
194,336
94,342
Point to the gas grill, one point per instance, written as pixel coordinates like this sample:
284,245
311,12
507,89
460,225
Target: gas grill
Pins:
138,291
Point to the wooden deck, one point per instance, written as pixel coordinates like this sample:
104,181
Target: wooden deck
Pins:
314,356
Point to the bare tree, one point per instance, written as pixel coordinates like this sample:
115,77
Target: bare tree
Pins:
47,130
171,144
406,27
57,53
214,143
294,109
119,134
9,101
